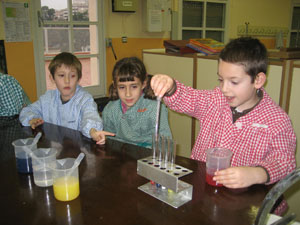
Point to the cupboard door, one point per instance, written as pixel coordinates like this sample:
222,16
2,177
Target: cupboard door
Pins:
180,68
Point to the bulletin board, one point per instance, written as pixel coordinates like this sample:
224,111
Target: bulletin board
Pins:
3,67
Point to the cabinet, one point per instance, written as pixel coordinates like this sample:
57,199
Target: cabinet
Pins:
180,68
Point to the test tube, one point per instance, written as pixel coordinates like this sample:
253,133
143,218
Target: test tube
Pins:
164,152
172,153
154,145
158,148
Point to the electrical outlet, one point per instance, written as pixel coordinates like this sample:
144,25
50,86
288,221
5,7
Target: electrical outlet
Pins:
124,39
108,42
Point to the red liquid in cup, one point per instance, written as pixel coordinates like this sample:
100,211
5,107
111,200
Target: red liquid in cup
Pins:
210,181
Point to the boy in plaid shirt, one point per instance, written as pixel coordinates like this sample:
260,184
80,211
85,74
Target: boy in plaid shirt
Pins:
238,115
12,97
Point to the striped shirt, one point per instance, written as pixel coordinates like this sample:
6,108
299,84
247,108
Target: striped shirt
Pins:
263,137
12,96
79,113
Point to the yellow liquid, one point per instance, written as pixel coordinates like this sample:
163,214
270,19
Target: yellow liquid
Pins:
66,188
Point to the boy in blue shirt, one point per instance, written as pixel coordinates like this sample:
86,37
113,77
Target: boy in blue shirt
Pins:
69,105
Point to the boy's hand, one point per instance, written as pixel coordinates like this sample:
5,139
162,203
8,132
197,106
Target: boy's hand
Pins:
99,136
35,122
161,84
241,177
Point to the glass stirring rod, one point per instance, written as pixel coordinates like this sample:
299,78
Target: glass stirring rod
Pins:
158,99
155,150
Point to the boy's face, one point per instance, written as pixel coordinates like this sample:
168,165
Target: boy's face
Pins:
237,87
130,91
66,79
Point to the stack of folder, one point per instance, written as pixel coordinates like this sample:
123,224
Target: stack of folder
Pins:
178,46
206,46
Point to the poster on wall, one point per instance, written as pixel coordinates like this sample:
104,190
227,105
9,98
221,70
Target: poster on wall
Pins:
16,22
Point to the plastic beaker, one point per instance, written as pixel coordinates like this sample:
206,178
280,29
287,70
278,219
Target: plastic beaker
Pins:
216,159
23,159
43,162
65,180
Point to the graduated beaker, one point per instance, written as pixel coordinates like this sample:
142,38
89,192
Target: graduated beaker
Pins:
23,159
65,180
216,159
43,162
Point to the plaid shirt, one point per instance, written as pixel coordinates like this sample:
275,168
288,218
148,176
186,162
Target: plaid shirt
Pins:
12,96
263,137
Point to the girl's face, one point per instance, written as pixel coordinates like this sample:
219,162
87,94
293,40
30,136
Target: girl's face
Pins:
130,91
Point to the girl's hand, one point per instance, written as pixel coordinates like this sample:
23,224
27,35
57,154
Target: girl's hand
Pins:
241,177
99,136
35,122
161,84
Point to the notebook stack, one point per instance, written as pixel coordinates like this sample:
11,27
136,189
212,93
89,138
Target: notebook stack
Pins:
178,46
206,46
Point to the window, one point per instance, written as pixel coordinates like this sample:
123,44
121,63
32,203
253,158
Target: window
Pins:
202,19
74,26
295,25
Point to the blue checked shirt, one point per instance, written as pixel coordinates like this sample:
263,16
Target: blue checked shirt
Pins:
12,96
79,113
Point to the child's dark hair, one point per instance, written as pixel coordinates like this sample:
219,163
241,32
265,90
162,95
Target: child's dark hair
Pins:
249,52
68,59
127,69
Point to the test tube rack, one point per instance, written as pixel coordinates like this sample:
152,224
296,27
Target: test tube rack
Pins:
174,192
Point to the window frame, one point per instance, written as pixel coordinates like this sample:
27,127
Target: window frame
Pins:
39,57
178,16
295,3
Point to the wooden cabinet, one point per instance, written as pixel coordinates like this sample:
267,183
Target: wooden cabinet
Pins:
180,68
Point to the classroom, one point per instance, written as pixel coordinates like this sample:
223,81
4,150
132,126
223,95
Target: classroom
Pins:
141,28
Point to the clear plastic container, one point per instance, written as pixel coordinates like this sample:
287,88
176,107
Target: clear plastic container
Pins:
216,159
65,180
23,160
43,162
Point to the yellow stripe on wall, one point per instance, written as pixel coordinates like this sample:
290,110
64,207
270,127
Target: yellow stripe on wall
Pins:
20,64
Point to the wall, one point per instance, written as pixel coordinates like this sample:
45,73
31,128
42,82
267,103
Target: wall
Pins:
20,60
275,13
20,56
267,13
129,25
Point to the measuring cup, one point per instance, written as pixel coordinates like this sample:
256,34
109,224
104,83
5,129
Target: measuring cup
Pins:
23,159
66,179
216,159
43,160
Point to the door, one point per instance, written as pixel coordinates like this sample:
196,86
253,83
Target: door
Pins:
75,26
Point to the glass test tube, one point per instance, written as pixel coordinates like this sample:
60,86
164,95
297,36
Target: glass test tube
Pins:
154,145
172,153
164,152
158,148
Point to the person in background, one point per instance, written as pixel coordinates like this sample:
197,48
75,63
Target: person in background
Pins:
238,115
132,113
12,97
69,105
